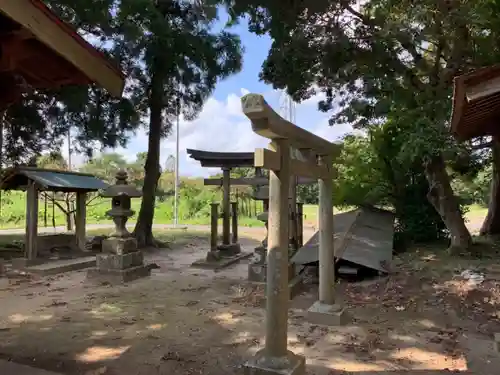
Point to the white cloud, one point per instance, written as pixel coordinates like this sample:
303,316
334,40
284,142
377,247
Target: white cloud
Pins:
221,126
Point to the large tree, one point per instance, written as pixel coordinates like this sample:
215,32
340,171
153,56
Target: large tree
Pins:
179,58
379,58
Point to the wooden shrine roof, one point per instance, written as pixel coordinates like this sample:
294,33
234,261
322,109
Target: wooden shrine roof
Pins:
476,104
17,178
41,51
222,159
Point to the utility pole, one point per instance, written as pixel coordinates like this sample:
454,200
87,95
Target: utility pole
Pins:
70,167
176,191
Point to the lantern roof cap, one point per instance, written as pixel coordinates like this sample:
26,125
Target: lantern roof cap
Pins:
121,187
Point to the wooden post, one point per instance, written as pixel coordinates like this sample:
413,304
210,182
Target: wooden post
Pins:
277,256
293,206
293,212
226,205
234,214
300,223
326,250
31,221
214,219
81,220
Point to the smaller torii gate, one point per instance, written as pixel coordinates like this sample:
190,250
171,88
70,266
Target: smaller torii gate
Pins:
314,160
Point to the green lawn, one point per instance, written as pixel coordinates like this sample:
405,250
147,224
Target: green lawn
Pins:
12,213
476,212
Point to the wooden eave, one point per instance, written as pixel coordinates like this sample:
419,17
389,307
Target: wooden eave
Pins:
476,104
38,22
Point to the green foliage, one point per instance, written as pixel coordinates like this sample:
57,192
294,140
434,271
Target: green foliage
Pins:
194,208
379,60
308,194
474,190
361,179
52,160
370,172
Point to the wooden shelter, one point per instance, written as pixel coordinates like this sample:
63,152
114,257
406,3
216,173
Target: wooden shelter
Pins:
39,51
35,180
476,104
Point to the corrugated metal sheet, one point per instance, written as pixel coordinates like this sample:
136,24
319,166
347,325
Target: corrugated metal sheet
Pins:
65,180
52,180
363,237
369,242
470,119
309,252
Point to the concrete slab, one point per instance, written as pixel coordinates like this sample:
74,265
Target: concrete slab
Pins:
10,368
221,263
292,364
328,315
54,267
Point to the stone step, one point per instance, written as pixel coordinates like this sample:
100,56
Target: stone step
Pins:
55,267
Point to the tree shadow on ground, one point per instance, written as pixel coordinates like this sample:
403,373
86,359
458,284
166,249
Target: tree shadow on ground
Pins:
177,322
319,370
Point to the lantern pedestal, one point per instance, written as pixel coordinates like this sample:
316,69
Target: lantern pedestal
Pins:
120,263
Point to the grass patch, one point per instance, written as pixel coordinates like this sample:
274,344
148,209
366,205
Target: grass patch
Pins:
476,211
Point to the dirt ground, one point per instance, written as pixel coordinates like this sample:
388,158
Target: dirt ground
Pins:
422,320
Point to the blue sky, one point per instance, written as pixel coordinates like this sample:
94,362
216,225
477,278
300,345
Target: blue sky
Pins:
222,127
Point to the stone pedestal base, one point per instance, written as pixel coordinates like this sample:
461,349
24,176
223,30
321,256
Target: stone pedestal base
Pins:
328,315
117,245
115,277
120,264
229,250
23,263
292,364
216,261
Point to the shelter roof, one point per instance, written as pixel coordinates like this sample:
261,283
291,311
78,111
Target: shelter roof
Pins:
222,159
17,178
476,104
46,52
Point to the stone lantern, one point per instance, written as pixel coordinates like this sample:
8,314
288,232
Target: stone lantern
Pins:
261,193
257,268
120,261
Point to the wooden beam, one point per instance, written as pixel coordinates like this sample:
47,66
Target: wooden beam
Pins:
307,169
270,160
266,159
55,35
252,181
483,89
267,123
244,181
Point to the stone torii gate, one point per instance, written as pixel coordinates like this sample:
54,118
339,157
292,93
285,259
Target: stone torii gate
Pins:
314,160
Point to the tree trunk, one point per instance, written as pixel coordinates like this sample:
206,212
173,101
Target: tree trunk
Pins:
68,214
491,225
144,228
441,196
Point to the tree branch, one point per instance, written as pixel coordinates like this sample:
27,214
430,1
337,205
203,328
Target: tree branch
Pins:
482,146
